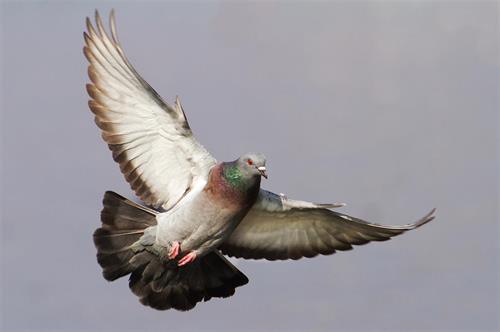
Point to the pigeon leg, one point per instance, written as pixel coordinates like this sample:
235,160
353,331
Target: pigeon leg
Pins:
191,256
176,247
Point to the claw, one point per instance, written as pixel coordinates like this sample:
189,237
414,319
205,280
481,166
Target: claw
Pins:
176,247
191,256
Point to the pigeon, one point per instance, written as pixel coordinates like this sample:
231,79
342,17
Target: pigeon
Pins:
196,210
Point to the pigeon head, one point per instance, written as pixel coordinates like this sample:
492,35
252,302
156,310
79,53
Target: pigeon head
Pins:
252,164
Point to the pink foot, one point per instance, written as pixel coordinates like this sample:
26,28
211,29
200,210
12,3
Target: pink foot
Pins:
191,256
176,247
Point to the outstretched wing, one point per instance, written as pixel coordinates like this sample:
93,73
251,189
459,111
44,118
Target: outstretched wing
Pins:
151,140
279,228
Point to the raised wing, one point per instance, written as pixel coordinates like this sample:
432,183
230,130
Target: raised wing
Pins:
151,140
279,228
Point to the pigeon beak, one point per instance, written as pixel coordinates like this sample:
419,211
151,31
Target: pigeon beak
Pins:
262,170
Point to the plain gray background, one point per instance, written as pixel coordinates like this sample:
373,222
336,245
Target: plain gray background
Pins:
391,107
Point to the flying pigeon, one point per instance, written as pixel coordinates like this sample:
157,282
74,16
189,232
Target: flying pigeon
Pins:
196,209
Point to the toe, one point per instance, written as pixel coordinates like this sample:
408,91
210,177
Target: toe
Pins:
174,251
187,259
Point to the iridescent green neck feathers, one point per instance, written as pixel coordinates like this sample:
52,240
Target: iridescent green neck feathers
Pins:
233,175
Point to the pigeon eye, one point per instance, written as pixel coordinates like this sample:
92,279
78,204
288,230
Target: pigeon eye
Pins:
250,162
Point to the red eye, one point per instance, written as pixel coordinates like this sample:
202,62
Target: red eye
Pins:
250,162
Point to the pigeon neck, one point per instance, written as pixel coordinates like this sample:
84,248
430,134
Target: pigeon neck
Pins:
238,186
233,176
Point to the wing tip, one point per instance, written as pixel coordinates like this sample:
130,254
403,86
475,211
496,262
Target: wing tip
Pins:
330,205
96,15
400,228
112,26
422,221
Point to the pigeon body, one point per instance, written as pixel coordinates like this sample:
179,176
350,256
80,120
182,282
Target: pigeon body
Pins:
205,219
195,209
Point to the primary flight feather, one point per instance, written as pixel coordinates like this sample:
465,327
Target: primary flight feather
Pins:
197,208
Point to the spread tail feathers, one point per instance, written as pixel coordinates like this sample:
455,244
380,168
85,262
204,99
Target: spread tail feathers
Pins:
158,283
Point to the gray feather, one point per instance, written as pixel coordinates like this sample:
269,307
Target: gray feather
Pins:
123,248
279,228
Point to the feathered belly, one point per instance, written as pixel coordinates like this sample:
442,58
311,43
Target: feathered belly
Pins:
200,225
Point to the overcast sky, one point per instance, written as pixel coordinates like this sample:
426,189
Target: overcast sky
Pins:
389,106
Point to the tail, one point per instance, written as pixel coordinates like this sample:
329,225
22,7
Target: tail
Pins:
122,243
